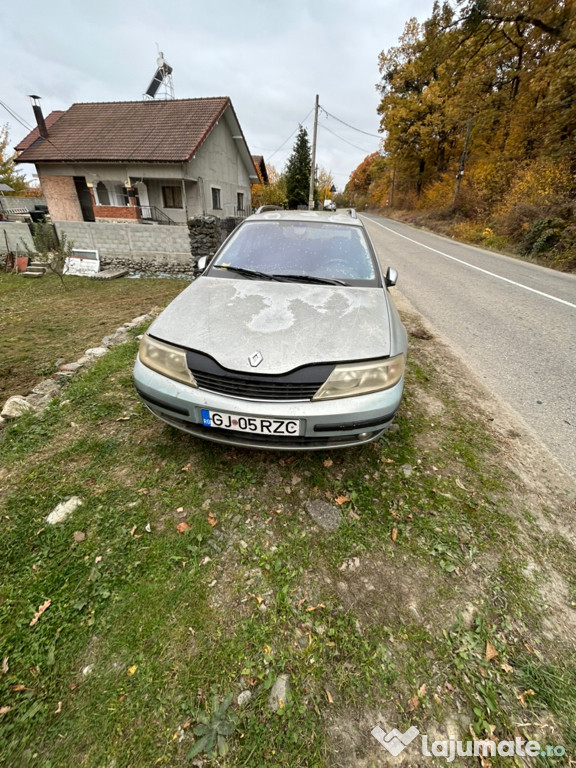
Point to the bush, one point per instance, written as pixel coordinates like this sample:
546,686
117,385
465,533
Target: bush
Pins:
541,237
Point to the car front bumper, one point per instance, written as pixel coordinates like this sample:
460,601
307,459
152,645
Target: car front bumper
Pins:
324,423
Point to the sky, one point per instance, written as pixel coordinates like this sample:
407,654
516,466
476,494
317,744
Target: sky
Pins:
271,57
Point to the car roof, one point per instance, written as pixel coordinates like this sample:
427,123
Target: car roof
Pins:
340,216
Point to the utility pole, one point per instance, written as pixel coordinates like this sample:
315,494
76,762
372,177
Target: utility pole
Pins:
462,162
313,164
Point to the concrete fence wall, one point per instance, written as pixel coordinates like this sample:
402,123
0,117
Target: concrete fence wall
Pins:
148,248
17,233
145,248
140,248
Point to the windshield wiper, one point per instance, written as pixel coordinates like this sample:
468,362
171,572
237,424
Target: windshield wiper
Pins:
252,273
310,279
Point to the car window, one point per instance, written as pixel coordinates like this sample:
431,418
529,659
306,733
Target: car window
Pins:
305,248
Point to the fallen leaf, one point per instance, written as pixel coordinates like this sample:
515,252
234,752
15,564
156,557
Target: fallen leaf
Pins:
148,528
133,529
17,688
491,652
522,696
123,418
388,461
78,536
342,499
5,665
353,514
413,703
98,559
145,491
186,468
182,527
132,669
315,607
59,708
212,520
394,534
437,699
4,710
460,485
180,509
40,611
329,697
328,462
258,598
506,668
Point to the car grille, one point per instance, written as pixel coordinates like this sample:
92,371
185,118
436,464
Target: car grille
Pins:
300,384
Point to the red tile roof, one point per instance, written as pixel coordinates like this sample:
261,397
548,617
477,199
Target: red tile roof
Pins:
35,134
126,131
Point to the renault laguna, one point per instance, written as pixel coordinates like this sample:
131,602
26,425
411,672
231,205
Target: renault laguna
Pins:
289,339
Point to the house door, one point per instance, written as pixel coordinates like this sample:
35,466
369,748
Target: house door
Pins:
84,198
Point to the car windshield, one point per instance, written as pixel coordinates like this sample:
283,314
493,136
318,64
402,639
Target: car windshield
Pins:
299,248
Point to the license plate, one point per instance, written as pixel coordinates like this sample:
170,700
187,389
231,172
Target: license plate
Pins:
254,424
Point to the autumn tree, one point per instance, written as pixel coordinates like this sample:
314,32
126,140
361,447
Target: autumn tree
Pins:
273,193
324,184
297,173
482,91
9,174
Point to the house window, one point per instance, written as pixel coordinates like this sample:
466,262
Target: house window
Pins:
102,194
216,202
172,197
240,201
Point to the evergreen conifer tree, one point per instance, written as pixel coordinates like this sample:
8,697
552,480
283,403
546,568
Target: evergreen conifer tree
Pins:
297,174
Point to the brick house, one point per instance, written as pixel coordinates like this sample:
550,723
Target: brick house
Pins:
162,161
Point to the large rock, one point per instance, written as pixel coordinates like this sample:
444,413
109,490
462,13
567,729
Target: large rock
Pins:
95,352
279,693
15,406
324,514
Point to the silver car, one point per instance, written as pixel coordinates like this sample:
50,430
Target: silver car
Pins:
288,340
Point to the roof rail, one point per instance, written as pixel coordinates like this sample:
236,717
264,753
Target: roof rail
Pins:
264,208
350,211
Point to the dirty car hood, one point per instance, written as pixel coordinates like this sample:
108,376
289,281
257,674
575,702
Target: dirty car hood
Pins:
290,324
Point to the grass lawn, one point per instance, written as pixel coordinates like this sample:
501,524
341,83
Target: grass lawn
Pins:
41,322
193,573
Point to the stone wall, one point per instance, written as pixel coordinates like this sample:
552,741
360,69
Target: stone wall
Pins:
17,234
145,248
207,233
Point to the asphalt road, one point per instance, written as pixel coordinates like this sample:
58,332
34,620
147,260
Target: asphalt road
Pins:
513,323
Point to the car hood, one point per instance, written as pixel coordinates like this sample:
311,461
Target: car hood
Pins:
290,324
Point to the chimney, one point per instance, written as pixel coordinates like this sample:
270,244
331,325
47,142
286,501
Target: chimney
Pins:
39,116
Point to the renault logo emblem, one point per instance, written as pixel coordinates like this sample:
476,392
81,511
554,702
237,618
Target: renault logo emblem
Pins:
255,359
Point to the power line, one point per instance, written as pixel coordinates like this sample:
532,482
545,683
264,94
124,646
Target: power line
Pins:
329,114
16,116
362,149
292,134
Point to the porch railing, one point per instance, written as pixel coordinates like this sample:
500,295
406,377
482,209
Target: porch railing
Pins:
152,213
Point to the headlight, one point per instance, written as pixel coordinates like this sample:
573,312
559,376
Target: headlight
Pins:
165,359
361,378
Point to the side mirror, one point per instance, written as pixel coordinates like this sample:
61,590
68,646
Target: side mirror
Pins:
201,264
391,277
